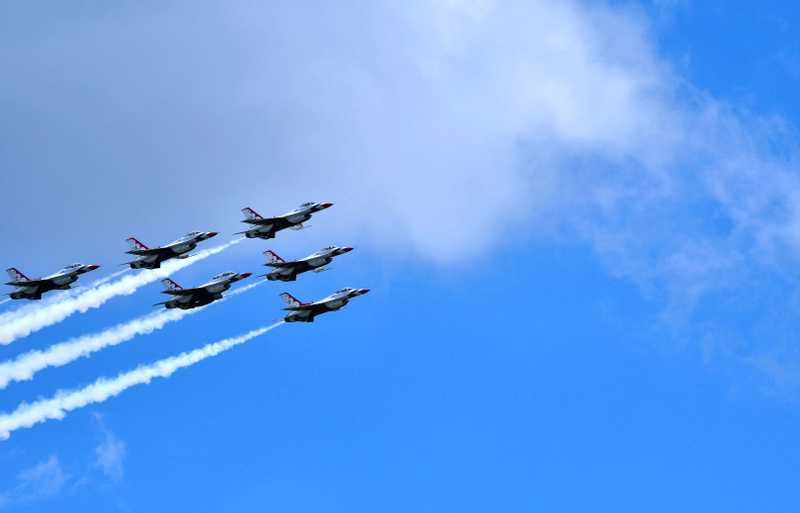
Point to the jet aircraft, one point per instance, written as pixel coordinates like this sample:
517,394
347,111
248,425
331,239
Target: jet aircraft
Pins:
305,312
206,293
288,271
267,227
151,258
34,288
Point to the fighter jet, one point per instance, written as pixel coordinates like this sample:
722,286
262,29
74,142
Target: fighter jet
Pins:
267,227
288,271
33,289
305,312
151,258
206,293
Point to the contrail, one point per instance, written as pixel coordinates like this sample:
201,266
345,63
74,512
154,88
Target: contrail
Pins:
54,298
106,279
24,325
23,367
65,401
29,307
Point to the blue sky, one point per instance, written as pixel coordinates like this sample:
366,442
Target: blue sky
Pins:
577,222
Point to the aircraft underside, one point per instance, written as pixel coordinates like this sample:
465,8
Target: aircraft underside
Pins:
310,314
26,295
154,262
35,293
193,302
260,233
268,231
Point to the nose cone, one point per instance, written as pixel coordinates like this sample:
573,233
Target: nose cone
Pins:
326,205
211,234
361,292
245,275
92,267
346,249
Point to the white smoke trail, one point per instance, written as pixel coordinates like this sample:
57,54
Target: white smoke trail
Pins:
83,288
65,401
239,290
29,307
23,367
106,279
21,326
55,297
6,300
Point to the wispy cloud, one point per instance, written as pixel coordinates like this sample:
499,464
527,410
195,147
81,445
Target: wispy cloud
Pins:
110,453
43,480
65,401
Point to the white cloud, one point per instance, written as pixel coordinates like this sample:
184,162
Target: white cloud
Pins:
411,116
43,480
440,129
110,453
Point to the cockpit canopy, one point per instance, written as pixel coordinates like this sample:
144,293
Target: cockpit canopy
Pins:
188,236
307,204
224,275
73,266
324,250
342,291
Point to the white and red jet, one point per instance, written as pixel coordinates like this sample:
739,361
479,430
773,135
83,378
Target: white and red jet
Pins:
267,227
206,293
288,271
151,258
305,312
28,288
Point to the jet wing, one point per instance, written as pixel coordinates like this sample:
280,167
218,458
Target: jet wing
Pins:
323,303
186,292
150,251
310,307
300,308
29,283
284,265
266,220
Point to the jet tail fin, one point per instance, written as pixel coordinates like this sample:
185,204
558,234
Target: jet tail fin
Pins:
290,300
136,244
170,285
251,214
16,275
273,257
